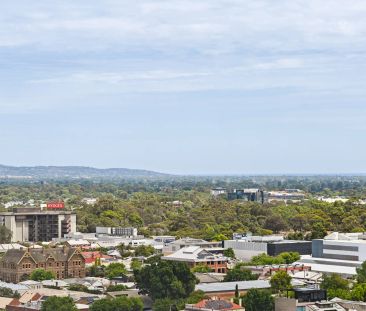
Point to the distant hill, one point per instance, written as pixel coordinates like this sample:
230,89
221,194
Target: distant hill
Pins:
73,172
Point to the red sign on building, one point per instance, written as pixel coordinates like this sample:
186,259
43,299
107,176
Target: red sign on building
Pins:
55,205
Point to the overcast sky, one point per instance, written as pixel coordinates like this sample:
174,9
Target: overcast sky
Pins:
190,86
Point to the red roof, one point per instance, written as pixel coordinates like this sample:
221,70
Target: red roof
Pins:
91,256
223,305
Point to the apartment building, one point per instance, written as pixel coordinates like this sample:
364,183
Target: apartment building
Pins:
35,225
17,264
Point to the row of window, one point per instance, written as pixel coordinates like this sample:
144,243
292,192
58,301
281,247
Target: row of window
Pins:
212,263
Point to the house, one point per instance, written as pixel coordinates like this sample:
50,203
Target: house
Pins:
226,290
32,284
186,242
91,257
195,255
213,305
17,264
4,301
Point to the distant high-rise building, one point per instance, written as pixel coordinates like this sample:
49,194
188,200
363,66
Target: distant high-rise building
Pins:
35,225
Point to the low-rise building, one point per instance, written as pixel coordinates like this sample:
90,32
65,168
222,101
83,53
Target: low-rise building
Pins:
195,255
341,252
16,265
272,245
295,195
226,290
117,231
218,191
186,242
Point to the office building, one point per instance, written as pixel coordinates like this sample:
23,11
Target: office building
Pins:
172,247
117,231
273,245
35,225
195,255
218,191
250,195
341,252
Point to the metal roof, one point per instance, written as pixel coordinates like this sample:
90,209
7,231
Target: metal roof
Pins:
230,286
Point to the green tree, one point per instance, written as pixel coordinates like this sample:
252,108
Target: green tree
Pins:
41,275
239,273
115,269
361,273
359,292
136,264
5,235
334,281
288,257
196,297
166,279
258,300
54,303
229,252
275,223
280,281
7,292
120,303
144,250
168,304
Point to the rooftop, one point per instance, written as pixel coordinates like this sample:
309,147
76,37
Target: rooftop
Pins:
230,286
193,253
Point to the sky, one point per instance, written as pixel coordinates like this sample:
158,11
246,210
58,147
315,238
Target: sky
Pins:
185,86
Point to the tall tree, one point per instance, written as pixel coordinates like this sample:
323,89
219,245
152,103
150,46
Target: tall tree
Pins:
258,300
239,273
166,279
280,281
5,235
41,275
120,303
55,303
361,273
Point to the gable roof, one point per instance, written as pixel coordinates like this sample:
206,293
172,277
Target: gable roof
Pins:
39,255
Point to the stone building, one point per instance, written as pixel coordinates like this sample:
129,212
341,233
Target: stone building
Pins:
17,264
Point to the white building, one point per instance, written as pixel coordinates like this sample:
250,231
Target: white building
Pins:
117,231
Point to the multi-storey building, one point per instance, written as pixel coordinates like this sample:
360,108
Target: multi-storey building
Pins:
35,225
117,231
17,264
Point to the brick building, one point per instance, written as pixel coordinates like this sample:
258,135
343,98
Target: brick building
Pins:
17,264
